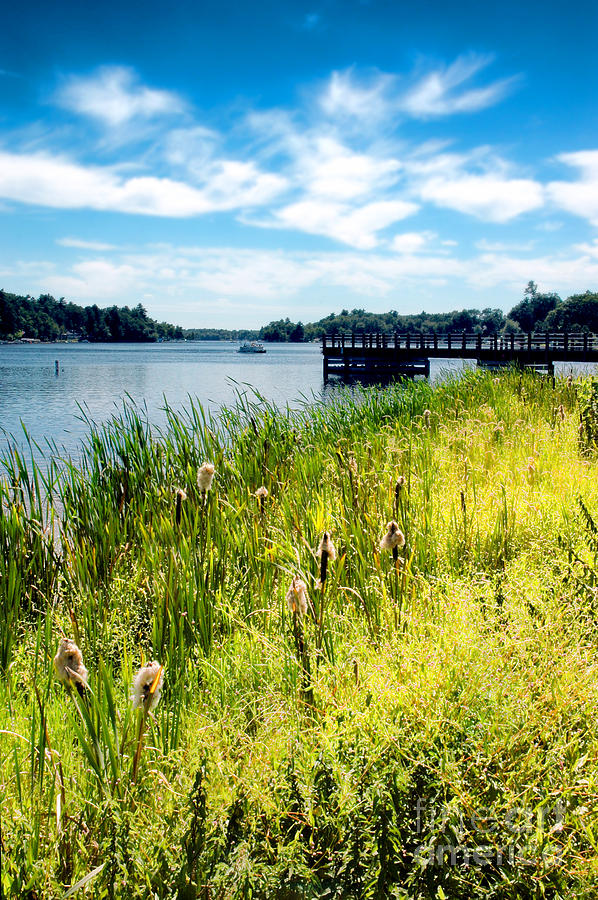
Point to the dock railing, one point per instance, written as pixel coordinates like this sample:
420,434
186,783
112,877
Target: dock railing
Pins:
552,343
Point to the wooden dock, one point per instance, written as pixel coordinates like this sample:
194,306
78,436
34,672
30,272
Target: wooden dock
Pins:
378,356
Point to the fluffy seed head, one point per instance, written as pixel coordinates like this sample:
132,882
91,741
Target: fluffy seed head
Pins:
327,547
68,663
205,476
394,537
261,493
296,596
143,682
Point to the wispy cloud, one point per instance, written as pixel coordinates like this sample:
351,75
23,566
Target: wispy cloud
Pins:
114,96
443,91
79,244
352,95
479,184
45,180
429,93
578,197
411,241
267,276
357,227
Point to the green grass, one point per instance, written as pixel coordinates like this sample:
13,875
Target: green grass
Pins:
434,736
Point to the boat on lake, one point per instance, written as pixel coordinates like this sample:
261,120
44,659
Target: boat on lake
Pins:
252,347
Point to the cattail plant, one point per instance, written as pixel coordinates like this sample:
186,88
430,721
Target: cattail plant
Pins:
181,496
69,667
427,417
392,539
297,603
400,485
147,688
326,553
205,477
261,494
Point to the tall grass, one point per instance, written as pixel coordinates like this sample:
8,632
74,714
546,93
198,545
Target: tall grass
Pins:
425,707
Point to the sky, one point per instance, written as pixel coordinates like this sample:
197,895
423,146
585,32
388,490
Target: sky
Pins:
230,164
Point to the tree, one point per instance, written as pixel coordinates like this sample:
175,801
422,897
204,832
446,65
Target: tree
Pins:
578,313
533,309
297,333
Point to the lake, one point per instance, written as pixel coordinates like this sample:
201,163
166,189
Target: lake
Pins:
99,376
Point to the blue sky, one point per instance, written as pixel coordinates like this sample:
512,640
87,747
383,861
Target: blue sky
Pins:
226,165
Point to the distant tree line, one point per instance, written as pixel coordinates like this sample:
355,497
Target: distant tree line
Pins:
221,334
536,312
48,319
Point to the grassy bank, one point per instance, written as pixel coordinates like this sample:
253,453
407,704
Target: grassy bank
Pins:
426,729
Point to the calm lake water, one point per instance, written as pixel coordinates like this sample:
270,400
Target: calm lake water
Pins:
99,376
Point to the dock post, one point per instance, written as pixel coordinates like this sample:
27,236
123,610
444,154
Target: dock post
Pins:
57,367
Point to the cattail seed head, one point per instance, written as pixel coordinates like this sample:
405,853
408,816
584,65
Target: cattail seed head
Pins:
181,496
427,415
401,482
69,667
142,685
393,538
205,476
326,553
327,547
296,596
261,493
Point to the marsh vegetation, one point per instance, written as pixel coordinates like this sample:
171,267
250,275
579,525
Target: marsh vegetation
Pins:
372,623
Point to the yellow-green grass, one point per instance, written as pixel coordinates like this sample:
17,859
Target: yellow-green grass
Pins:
447,744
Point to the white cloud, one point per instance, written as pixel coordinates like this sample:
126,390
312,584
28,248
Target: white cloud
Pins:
85,245
503,246
57,182
589,249
114,96
490,197
578,197
353,96
563,274
326,168
437,93
411,241
262,278
355,227
478,183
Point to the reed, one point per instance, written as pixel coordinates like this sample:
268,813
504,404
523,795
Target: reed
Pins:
447,659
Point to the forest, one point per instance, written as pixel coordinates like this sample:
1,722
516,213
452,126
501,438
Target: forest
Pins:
536,312
47,319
